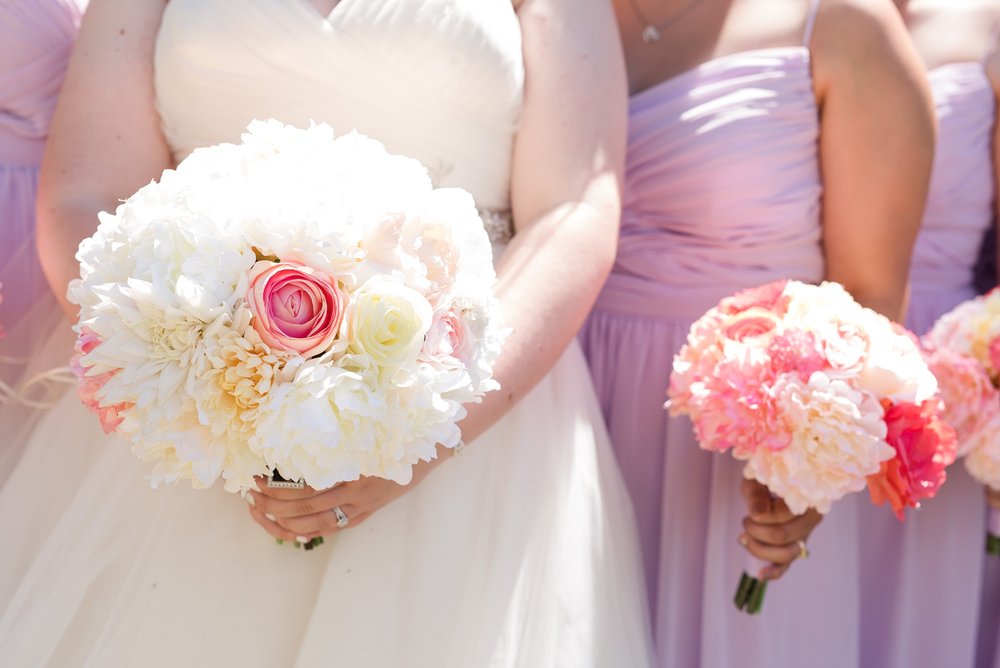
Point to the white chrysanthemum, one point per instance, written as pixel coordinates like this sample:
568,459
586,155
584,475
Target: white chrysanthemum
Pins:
838,440
318,427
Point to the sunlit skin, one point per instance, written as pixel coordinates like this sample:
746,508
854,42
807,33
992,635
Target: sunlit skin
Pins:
875,151
956,31
565,188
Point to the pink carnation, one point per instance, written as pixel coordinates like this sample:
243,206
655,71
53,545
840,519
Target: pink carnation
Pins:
739,411
796,351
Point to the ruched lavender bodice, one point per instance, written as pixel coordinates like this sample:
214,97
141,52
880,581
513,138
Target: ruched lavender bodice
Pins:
37,36
722,185
960,204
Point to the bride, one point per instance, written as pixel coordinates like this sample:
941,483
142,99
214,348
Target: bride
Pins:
521,551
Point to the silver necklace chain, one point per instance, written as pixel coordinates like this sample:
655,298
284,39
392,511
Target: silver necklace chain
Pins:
652,32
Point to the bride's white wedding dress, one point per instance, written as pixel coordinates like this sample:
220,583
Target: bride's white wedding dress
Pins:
519,552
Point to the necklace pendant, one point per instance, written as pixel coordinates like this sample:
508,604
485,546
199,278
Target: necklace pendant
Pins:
650,34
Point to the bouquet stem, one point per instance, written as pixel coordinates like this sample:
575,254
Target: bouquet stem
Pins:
750,591
993,533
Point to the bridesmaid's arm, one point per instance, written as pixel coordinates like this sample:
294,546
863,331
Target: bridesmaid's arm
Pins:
876,148
105,140
565,187
992,64
566,182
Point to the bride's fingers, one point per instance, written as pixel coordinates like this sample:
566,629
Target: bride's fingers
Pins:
297,506
270,526
322,523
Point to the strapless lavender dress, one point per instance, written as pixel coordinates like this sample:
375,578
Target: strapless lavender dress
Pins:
722,193
921,579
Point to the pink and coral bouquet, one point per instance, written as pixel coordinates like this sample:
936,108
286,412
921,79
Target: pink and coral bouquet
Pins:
819,396
963,350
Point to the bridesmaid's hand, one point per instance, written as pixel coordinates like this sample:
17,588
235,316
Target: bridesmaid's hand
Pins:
993,498
771,532
304,514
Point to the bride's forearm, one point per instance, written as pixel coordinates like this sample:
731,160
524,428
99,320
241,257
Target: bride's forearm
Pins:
549,278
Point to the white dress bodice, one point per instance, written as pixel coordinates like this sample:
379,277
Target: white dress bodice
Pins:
437,80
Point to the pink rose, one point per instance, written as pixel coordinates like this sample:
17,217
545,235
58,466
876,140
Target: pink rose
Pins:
925,445
448,337
796,351
89,385
296,308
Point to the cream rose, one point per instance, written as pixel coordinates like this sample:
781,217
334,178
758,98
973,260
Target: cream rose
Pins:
388,321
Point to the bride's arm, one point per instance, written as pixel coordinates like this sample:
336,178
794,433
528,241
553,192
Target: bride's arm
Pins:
566,181
105,140
565,185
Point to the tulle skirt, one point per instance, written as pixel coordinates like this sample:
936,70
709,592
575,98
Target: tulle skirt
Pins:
36,336
521,551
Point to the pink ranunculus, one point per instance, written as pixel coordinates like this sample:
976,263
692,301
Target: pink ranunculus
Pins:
296,308
925,445
89,385
767,296
750,325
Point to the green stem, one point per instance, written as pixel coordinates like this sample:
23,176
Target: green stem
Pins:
993,544
750,594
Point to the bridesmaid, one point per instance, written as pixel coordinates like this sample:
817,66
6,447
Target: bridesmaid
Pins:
767,140
35,41
913,571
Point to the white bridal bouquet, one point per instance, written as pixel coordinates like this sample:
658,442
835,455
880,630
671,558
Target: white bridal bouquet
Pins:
296,304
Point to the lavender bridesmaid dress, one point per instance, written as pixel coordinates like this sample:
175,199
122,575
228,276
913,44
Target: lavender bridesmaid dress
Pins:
921,579
722,193
35,41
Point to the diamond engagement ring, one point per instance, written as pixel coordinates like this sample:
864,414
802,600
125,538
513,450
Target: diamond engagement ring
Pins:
803,550
342,518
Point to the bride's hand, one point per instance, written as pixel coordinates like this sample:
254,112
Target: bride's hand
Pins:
303,514
771,532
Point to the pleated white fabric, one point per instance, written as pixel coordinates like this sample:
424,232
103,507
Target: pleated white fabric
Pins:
521,551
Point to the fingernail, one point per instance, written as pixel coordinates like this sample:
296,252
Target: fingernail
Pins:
270,517
252,501
743,539
302,539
